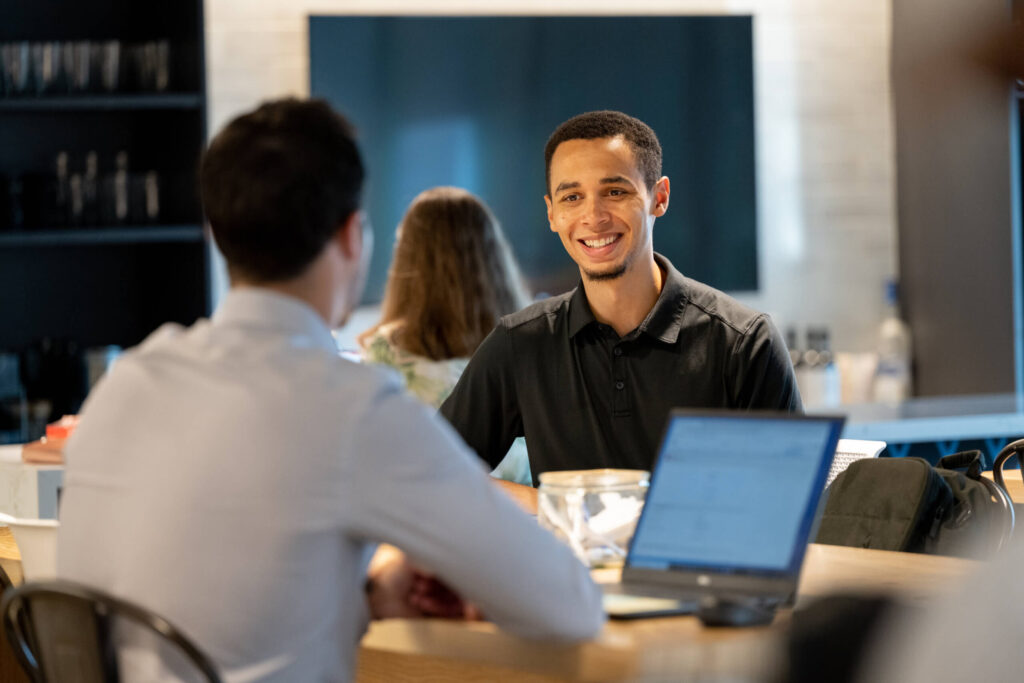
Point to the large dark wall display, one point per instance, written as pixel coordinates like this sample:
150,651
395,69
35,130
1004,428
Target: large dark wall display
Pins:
470,101
102,119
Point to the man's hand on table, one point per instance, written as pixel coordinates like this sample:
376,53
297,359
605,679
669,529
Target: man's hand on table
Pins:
397,589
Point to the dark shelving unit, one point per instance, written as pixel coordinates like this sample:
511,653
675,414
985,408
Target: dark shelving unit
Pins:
100,284
139,234
113,246
125,102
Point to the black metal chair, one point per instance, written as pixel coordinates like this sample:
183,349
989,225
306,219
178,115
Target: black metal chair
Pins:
62,631
5,581
1010,450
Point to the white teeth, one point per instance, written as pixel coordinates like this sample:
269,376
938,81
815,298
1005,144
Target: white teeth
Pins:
604,241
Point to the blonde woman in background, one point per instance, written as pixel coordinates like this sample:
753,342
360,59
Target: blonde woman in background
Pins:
452,277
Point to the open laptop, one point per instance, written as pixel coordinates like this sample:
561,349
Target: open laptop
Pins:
732,504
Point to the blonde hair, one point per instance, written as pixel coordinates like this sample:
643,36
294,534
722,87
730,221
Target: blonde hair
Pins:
452,277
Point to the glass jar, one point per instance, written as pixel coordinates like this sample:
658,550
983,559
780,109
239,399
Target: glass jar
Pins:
594,512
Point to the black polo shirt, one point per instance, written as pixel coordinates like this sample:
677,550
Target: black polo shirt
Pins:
584,397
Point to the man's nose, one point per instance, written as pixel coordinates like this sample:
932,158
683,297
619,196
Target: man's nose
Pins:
595,213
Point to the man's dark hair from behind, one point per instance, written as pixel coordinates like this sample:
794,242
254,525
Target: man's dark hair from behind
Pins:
276,185
593,125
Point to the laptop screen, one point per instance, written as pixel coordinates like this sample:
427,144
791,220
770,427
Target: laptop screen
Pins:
735,492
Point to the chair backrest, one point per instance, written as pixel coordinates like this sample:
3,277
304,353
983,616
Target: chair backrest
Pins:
37,544
1008,451
63,631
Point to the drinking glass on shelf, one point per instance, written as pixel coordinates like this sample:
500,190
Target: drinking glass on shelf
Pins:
114,200
76,212
149,65
15,58
46,67
145,198
162,75
59,196
79,74
110,65
91,189
151,192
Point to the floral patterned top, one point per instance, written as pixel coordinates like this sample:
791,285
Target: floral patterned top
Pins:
431,381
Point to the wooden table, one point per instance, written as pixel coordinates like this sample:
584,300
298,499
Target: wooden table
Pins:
675,648
1014,485
10,561
10,558
658,649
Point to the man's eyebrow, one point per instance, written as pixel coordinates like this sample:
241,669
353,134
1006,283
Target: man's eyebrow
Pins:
566,186
616,180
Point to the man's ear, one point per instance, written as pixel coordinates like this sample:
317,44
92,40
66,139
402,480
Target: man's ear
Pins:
551,222
350,236
661,193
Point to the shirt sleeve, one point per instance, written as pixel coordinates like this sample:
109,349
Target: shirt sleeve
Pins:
484,407
421,490
764,378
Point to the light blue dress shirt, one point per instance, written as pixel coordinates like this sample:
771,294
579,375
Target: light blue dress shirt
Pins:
235,476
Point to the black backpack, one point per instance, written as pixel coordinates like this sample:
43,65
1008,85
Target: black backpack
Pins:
906,504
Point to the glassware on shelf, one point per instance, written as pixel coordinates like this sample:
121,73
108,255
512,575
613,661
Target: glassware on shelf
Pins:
149,68
78,63
46,67
110,65
77,67
15,58
59,199
91,189
81,192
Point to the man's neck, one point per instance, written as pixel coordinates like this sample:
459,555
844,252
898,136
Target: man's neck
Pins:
624,302
311,288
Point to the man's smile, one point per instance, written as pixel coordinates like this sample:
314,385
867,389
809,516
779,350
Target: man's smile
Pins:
599,242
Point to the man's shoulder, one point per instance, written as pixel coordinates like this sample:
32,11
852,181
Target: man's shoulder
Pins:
704,301
539,315
237,359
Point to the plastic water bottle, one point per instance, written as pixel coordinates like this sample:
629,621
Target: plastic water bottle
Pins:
816,372
831,386
892,378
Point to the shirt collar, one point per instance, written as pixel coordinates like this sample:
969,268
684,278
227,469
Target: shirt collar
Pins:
580,314
257,307
664,320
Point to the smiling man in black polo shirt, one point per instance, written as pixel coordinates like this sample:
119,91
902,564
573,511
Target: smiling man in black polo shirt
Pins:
590,376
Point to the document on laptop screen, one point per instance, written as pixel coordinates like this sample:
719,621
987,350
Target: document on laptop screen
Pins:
733,494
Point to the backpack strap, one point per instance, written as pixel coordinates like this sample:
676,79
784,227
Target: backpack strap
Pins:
997,489
969,460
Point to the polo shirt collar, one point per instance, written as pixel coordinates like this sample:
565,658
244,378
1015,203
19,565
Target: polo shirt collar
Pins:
665,318
580,314
257,307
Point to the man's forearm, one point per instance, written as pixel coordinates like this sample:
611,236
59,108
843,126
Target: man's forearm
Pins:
526,496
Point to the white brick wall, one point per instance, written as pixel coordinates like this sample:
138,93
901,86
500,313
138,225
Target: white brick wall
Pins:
825,147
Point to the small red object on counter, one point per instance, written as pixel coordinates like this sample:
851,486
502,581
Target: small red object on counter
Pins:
62,428
49,450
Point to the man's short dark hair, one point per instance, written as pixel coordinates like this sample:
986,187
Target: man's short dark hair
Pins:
608,124
276,185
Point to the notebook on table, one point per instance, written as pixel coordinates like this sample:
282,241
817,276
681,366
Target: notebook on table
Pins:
732,504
